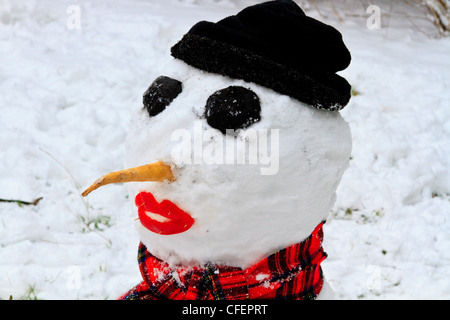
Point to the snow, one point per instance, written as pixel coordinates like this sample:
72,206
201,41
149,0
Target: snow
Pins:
67,96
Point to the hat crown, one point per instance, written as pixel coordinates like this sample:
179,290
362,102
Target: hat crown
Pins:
281,31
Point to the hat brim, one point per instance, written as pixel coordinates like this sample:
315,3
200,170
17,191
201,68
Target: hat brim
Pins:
326,91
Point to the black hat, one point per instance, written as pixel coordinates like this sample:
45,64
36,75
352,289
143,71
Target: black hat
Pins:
273,44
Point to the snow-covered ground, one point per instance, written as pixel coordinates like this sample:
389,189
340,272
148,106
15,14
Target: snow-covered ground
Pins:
66,97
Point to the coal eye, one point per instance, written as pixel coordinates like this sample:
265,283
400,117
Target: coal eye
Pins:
232,108
160,94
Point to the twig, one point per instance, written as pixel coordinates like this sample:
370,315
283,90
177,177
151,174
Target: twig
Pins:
85,202
318,10
21,202
333,8
74,182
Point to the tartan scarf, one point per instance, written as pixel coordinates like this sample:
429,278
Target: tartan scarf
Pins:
293,273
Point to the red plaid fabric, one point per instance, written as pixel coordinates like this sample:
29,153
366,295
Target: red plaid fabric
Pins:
293,273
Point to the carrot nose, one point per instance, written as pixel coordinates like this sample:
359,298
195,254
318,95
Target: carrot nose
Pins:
158,171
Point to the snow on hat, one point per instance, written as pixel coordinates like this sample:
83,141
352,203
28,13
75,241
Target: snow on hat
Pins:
273,44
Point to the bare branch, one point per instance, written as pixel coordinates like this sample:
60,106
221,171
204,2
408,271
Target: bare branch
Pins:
21,202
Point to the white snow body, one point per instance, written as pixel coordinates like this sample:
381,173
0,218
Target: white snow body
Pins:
241,215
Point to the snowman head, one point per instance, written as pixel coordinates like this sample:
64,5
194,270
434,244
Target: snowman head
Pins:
245,144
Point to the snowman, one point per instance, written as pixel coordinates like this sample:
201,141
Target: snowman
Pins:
235,157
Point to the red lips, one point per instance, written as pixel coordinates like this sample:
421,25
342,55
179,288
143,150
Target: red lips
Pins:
163,218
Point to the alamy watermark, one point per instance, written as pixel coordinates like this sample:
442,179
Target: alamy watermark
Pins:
236,147
373,281
74,17
374,21
73,21
73,281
